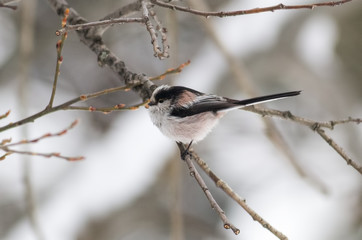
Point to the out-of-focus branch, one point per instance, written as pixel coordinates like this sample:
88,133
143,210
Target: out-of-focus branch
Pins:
5,115
5,4
7,147
26,52
249,11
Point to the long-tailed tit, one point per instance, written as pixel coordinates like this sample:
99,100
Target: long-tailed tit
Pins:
187,116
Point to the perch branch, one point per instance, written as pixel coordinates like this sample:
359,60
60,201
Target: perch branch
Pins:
229,191
201,182
241,79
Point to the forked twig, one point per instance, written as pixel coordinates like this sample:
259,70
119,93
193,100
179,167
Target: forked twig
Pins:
147,14
201,182
230,192
65,106
315,126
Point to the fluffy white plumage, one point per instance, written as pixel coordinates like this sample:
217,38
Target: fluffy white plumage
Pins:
186,115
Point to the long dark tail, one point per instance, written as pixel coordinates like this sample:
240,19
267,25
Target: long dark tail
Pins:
267,98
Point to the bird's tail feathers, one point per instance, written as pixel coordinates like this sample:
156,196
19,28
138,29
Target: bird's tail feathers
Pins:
267,98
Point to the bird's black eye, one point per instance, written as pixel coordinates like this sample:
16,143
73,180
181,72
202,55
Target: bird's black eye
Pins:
161,100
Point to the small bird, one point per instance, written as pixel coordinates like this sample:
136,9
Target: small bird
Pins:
187,116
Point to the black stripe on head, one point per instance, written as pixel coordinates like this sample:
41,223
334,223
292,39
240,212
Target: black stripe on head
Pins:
172,93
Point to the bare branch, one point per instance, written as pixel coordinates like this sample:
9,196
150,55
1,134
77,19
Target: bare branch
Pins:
348,120
5,115
124,11
304,121
106,110
229,191
6,147
200,181
65,106
249,11
46,155
161,54
59,46
246,85
313,125
83,26
5,4
170,71
48,135
339,150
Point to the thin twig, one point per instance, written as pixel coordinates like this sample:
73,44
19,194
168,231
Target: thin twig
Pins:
8,6
46,155
106,110
287,115
98,23
249,11
59,46
339,150
64,106
343,121
200,181
6,145
229,191
170,71
5,115
161,54
124,12
162,30
48,135
313,125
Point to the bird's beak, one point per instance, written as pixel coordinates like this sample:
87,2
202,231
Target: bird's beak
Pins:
151,103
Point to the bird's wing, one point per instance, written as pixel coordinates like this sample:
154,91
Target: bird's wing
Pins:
205,103
213,103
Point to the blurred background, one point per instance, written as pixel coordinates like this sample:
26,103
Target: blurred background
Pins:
132,184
